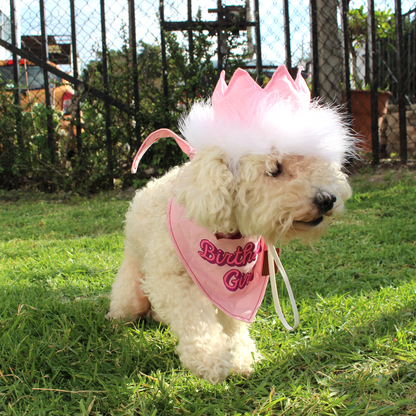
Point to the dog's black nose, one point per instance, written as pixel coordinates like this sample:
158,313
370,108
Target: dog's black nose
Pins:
325,201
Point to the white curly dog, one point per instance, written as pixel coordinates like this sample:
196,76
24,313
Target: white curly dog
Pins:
266,168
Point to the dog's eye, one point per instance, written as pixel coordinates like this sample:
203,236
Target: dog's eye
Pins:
276,172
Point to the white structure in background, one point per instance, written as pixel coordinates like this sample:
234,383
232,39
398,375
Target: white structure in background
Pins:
359,81
6,27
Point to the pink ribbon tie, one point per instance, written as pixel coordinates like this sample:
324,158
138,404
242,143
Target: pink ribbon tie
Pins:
154,137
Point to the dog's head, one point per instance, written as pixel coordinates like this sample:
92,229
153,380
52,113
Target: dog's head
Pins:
279,198
271,167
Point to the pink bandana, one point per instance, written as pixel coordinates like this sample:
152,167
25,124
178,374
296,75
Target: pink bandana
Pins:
228,271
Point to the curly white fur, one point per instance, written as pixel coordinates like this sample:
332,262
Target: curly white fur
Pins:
247,198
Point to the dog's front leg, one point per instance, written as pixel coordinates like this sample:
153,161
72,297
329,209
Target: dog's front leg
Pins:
127,298
244,348
203,346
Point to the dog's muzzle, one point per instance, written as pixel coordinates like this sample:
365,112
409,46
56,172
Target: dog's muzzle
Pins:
324,202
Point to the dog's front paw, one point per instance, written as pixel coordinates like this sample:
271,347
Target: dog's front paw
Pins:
243,361
120,316
244,356
214,371
115,316
211,364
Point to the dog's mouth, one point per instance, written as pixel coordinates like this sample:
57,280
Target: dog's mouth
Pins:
305,225
235,236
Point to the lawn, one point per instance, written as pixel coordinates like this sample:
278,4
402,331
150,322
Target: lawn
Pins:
353,353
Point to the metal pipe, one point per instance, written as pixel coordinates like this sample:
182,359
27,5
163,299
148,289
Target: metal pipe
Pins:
45,56
107,108
259,63
16,64
373,81
75,72
400,87
414,52
408,77
190,33
315,49
163,50
413,77
16,75
345,35
220,37
73,39
133,48
191,42
287,35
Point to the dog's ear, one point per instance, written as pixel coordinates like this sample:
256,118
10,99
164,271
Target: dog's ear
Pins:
206,189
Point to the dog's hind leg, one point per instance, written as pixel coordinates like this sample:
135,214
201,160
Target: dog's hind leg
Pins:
245,351
203,346
127,297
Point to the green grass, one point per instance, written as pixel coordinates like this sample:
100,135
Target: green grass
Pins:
353,354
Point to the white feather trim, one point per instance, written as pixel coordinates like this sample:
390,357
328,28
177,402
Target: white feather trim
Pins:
318,130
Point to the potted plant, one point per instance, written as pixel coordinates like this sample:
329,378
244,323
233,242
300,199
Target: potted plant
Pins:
360,92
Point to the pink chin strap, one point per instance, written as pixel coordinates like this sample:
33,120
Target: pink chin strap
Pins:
154,137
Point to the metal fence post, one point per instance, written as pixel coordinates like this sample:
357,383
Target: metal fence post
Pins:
373,80
16,76
221,38
45,56
400,89
133,48
163,50
75,73
315,49
191,44
259,64
107,107
190,34
287,35
345,34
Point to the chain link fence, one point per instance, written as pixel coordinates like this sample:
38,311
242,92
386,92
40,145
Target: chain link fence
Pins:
396,81
119,77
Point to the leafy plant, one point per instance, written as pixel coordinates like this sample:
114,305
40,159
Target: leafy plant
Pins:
358,35
24,152
99,162
188,80
8,142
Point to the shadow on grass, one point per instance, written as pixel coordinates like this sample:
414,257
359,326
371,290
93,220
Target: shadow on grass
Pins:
358,367
75,334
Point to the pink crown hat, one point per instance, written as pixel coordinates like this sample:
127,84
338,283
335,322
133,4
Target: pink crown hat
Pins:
244,118
243,94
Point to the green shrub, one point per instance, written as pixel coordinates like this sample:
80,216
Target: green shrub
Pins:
91,163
